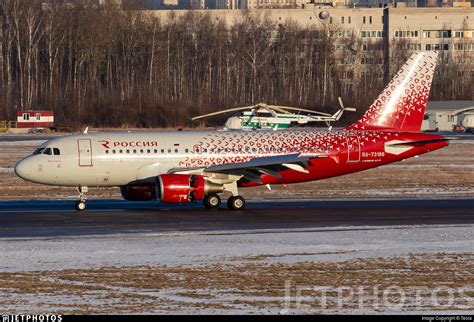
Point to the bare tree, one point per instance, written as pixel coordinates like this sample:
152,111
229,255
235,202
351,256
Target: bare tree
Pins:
109,67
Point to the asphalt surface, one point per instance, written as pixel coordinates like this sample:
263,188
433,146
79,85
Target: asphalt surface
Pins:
26,137
58,218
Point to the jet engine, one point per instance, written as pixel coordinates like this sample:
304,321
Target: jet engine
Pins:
172,188
182,188
138,192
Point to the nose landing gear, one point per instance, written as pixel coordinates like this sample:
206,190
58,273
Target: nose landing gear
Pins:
81,203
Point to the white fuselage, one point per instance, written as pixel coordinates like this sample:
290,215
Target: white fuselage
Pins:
116,159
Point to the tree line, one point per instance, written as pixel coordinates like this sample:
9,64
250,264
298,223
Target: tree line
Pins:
103,66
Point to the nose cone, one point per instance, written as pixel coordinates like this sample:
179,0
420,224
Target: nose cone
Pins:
23,169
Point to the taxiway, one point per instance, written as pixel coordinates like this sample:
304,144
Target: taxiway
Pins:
58,218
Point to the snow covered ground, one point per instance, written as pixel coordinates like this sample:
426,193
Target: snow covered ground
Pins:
196,248
248,271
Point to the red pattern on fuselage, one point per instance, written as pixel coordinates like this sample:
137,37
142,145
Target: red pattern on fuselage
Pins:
368,150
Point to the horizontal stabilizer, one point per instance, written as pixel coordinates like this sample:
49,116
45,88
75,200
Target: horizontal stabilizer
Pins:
418,143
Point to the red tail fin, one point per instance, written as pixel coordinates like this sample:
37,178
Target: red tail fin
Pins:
401,105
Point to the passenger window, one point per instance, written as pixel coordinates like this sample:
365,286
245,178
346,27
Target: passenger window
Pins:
176,151
47,151
107,151
141,151
56,151
147,151
156,151
162,151
186,150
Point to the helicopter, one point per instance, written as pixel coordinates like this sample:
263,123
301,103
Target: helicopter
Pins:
276,117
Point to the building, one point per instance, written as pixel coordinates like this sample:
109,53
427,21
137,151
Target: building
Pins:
35,119
376,32
370,44
447,116
277,4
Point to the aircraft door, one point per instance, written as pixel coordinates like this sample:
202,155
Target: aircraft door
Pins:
84,148
353,149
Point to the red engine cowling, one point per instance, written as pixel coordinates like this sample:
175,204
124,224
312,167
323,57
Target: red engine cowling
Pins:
139,192
182,188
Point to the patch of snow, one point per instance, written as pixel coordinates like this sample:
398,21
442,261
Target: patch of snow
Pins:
457,166
188,248
462,141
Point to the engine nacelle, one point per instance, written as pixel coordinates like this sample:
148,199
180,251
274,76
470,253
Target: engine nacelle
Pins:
183,188
139,192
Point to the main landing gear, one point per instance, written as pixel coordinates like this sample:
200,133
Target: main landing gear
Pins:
81,203
234,202
212,201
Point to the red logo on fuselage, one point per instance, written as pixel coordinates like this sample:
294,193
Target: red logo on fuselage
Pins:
129,144
136,144
105,144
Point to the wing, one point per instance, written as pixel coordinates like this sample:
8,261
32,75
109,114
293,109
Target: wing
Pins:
252,170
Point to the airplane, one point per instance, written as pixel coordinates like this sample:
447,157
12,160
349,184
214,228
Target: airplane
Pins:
264,116
191,166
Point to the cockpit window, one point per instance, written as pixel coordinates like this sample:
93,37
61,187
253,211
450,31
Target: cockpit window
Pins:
38,151
47,151
56,151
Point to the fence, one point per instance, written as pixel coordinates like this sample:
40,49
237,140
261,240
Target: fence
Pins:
5,125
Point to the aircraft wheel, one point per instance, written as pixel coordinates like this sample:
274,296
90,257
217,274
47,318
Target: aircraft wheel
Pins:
80,205
212,201
236,203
